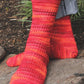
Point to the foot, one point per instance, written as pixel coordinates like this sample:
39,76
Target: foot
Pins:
30,71
15,60
63,43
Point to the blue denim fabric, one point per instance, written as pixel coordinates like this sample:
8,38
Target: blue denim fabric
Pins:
67,7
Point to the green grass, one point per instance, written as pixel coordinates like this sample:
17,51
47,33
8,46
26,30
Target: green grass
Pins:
25,11
80,14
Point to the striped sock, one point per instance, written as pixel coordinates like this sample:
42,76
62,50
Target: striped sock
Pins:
33,68
63,43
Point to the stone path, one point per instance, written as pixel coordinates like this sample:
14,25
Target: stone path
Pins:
2,53
6,72
69,71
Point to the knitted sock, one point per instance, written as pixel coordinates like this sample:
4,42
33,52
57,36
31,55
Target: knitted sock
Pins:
59,49
63,43
33,67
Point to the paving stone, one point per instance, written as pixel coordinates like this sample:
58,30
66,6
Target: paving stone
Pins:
68,71
2,53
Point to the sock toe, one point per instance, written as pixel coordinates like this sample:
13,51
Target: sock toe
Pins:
10,62
74,54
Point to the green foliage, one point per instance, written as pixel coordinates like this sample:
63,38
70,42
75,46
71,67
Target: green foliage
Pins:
26,11
80,14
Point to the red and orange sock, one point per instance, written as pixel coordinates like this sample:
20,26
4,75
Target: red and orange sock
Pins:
63,43
33,68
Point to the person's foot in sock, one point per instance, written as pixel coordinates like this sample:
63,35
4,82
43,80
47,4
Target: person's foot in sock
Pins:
63,44
33,68
61,48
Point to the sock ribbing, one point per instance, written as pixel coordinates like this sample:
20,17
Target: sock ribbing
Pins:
62,40
33,68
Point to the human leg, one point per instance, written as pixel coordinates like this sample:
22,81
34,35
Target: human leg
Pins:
63,44
33,68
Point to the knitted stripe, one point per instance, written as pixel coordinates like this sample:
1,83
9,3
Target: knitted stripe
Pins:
45,12
33,68
62,40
